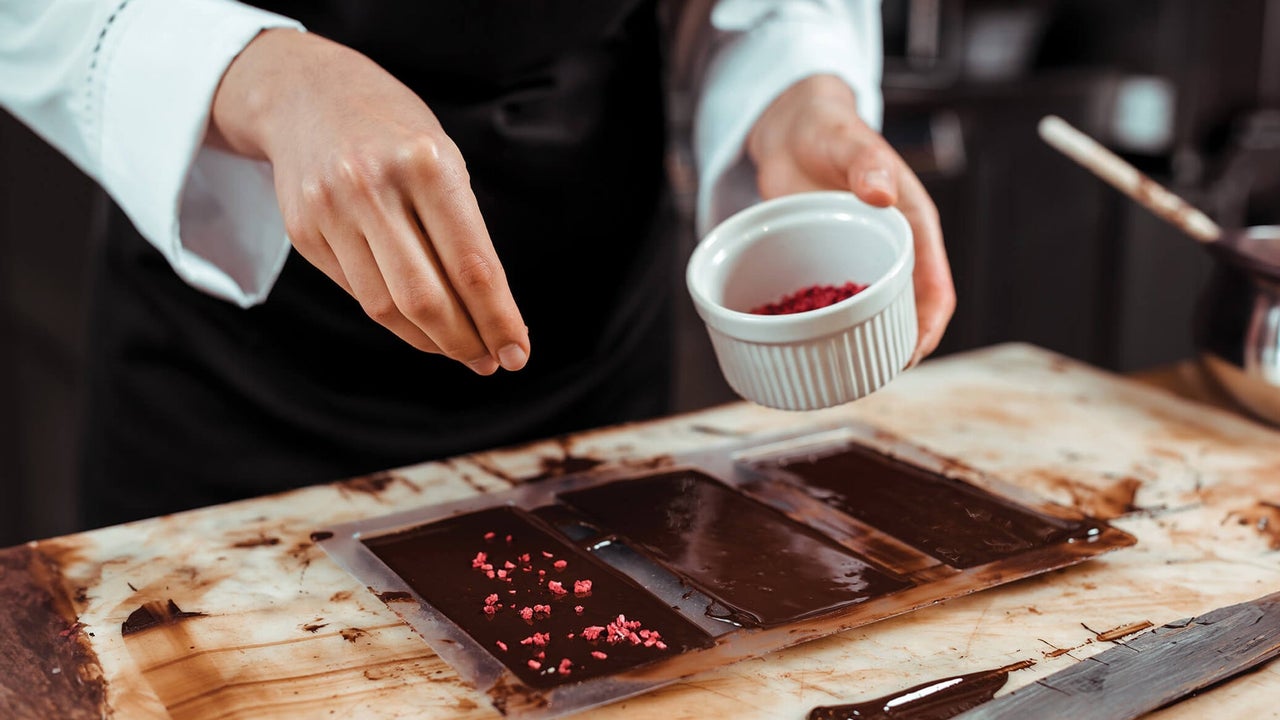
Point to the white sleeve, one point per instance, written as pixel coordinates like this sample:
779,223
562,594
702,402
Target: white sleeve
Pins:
124,89
759,49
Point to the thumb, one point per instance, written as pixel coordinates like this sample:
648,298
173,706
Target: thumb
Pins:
868,167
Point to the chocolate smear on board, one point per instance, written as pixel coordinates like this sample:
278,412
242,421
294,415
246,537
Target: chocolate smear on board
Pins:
549,611
699,527
47,668
934,700
155,614
320,535
260,541
558,467
955,522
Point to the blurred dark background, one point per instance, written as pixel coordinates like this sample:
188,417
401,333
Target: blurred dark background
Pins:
1041,250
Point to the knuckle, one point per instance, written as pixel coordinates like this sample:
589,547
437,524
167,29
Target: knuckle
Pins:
421,302
432,159
317,192
382,309
477,272
361,171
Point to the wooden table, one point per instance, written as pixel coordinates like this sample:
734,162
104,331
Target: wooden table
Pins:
282,631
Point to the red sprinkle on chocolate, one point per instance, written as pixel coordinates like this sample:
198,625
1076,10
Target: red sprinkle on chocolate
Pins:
595,654
493,598
488,536
524,558
479,560
541,656
509,565
535,665
555,587
508,539
582,586
810,298
490,574
577,609
565,664
490,610
546,554
560,564
502,573
501,646
541,573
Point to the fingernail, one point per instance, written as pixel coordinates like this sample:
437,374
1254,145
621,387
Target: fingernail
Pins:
878,179
483,366
513,357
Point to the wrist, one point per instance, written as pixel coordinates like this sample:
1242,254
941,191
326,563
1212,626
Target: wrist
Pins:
250,98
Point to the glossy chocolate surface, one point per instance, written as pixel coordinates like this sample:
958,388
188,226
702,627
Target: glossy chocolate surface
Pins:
765,568
962,525
934,700
439,561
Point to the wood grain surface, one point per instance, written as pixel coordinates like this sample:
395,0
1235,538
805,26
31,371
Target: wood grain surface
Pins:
270,627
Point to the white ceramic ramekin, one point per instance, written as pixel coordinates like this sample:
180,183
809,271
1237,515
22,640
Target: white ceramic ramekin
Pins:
823,357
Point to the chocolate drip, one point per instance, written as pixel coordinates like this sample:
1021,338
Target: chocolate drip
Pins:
763,567
934,700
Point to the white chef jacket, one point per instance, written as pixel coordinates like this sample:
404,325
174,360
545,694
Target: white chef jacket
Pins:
124,88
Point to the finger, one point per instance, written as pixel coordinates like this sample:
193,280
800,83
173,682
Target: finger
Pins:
867,165
934,288
316,251
367,286
451,217
419,287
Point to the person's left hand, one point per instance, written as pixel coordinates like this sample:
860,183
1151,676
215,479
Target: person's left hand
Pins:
811,138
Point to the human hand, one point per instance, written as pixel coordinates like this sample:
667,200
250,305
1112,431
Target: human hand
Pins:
373,193
811,138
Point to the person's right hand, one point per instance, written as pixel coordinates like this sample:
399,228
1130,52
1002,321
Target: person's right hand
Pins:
373,193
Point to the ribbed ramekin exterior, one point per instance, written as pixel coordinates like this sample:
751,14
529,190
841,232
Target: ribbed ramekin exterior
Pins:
825,371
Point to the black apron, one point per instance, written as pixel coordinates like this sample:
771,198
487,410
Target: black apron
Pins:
557,107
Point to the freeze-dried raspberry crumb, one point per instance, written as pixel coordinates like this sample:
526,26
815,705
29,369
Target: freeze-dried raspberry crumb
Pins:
508,539
598,655
592,632
577,609
542,609
488,536
526,613
581,586
490,610
560,564
479,560
555,587
535,665
493,598
810,298
565,664
509,565
546,554
501,645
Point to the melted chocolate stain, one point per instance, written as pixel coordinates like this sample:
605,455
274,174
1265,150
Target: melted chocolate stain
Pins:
934,700
319,535
567,465
436,560
154,614
761,566
953,521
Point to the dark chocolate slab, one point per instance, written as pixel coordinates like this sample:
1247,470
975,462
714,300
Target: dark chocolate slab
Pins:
436,560
958,523
764,567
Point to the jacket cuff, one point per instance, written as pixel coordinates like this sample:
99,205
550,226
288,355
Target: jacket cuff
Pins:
748,72
213,215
